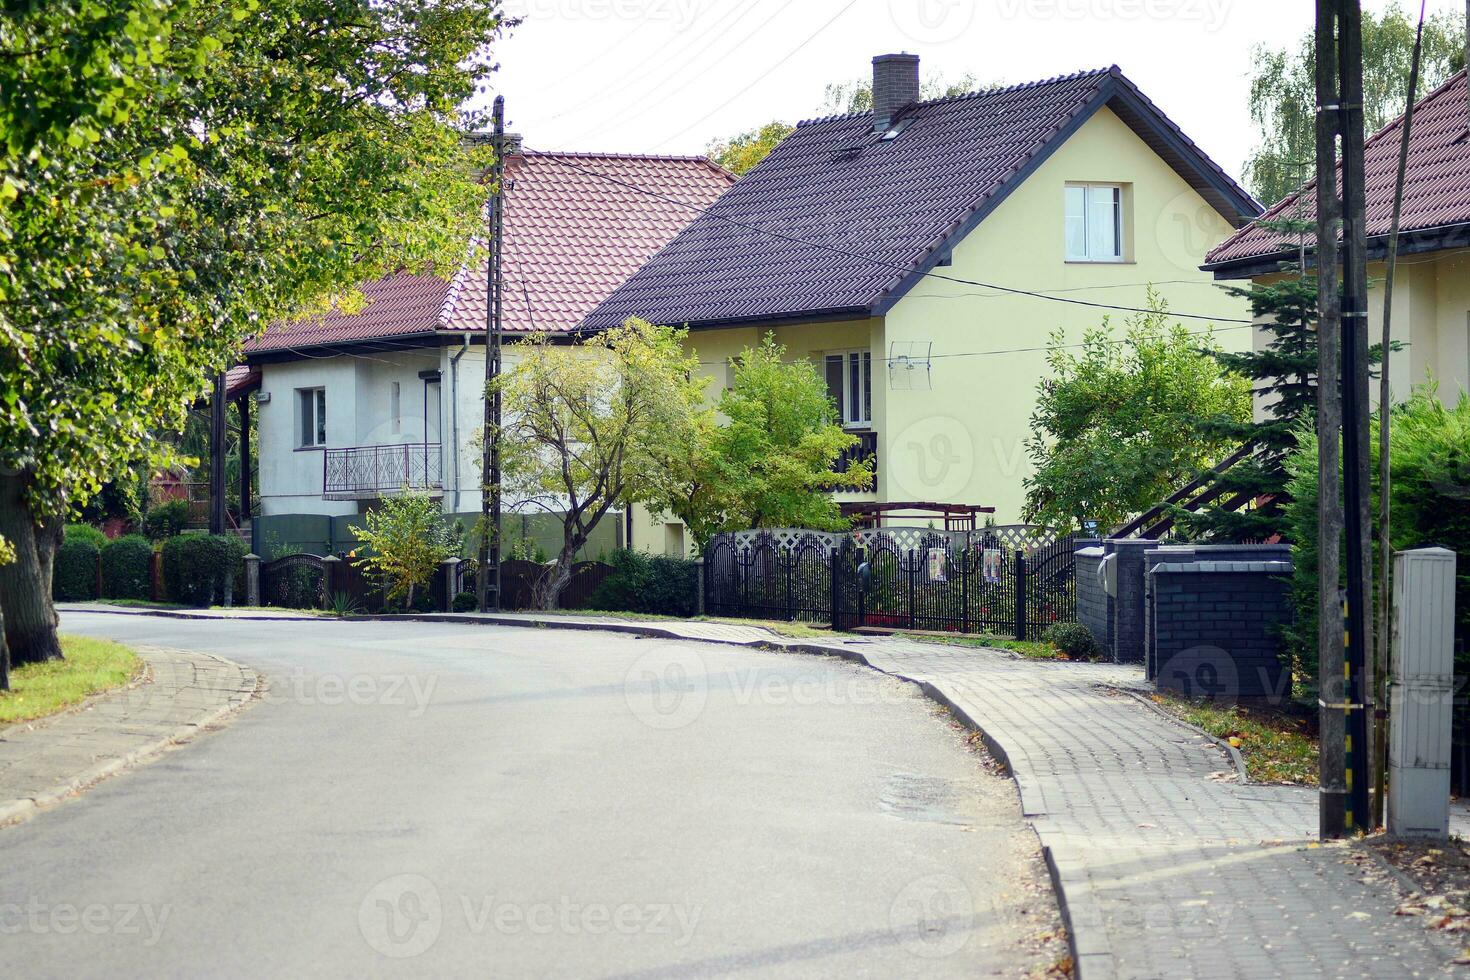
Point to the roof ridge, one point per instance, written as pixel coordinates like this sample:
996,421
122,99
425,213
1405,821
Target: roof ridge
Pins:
603,155
977,93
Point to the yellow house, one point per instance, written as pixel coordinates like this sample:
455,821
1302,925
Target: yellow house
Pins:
923,253
1431,292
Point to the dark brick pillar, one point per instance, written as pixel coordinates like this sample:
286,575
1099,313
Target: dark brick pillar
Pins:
1128,605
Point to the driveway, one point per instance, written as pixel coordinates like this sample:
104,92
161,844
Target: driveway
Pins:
471,800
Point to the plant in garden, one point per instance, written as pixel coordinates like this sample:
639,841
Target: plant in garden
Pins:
74,578
408,539
127,568
1116,425
200,568
178,173
1074,640
652,584
586,425
166,519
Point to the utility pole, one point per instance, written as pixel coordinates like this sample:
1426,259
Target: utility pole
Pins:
217,408
487,582
1332,788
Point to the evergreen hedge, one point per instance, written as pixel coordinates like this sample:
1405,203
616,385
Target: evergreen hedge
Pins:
127,568
200,569
652,584
74,570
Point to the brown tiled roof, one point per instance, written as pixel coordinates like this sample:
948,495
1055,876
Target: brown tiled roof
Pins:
1436,184
570,240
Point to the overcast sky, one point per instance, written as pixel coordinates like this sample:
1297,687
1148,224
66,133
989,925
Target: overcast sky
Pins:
669,76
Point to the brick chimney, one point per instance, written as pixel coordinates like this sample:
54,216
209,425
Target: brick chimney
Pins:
895,85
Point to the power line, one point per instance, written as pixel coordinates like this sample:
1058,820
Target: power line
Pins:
1012,290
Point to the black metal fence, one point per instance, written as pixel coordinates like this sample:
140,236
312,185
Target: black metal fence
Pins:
1014,580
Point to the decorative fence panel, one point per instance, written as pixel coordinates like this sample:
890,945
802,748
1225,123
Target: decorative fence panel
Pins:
897,578
293,582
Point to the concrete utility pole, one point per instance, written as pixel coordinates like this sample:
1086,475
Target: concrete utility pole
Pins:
487,582
1331,772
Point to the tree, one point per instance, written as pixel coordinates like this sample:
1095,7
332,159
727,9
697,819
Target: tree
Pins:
771,463
1283,96
742,152
584,428
177,174
1115,425
409,539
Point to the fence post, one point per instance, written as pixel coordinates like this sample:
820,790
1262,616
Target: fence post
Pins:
1020,594
448,569
252,579
836,559
965,589
790,563
700,572
99,573
912,603
155,577
330,579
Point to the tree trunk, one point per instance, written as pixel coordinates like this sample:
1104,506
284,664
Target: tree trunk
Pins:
4,656
547,590
25,584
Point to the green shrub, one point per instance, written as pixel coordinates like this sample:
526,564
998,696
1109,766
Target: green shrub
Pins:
88,533
466,602
653,584
127,568
74,570
1074,640
167,520
199,569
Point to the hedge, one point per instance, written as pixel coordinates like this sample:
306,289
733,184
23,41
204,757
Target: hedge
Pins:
653,584
200,569
127,568
166,520
86,532
74,570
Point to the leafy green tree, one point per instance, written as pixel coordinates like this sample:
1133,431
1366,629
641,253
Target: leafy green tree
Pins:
177,174
741,153
585,426
1283,98
408,538
770,463
1115,426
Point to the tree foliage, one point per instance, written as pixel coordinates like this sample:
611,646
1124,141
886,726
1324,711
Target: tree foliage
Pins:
1283,96
178,173
770,462
408,539
586,427
1115,429
742,152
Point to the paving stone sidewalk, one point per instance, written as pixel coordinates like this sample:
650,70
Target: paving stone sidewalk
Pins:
45,761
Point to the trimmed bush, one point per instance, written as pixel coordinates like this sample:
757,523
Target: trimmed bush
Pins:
1074,640
200,569
88,533
74,570
652,584
167,520
466,602
127,568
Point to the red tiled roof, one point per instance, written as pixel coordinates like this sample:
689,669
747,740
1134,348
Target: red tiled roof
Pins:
1436,183
397,305
570,240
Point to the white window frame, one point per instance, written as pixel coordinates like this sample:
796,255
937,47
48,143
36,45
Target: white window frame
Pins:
311,408
855,399
1094,197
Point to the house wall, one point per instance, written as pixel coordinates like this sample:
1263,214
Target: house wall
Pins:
963,439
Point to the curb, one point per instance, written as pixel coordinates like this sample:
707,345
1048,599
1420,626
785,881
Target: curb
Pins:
18,811
1236,759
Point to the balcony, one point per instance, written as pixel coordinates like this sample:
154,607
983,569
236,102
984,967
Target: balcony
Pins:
867,446
365,472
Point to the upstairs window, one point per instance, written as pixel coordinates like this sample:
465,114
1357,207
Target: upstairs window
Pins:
312,404
850,383
1094,223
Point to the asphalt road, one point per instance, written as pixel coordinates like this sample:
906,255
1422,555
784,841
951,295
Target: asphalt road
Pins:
463,800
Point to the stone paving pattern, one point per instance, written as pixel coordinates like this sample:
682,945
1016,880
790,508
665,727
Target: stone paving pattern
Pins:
44,761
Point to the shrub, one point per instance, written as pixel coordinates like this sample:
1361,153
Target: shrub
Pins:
1074,640
653,584
88,533
127,568
74,570
167,520
408,538
198,568
466,602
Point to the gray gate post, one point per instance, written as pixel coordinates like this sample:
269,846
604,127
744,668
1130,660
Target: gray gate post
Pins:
699,599
252,579
448,568
1020,594
330,564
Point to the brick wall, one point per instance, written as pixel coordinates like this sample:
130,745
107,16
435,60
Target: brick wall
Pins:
1094,606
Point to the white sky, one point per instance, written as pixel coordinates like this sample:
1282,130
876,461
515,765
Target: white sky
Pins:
669,76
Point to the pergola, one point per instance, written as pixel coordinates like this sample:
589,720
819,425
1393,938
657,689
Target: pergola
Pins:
957,517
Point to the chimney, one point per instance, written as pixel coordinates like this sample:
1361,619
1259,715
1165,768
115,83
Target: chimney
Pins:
895,86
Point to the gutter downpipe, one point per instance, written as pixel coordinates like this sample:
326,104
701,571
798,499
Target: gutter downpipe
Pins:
454,413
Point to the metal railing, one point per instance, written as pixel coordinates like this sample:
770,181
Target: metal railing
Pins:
372,471
867,446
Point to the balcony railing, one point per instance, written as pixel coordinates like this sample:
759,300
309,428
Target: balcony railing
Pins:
867,445
373,471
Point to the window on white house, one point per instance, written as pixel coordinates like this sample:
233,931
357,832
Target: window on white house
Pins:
1094,223
395,407
313,412
850,383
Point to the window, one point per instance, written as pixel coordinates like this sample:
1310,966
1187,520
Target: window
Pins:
313,411
850,383
395,407
1094,223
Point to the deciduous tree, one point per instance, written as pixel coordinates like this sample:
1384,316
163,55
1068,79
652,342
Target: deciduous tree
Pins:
408,538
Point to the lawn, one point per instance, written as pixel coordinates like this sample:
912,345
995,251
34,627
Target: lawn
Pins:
90,667
1279,745
1030,649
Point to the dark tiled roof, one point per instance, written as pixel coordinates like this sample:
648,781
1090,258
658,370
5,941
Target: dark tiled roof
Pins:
1436,183
570,239
837,221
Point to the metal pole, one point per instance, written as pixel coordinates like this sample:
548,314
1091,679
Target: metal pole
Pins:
217,409
1331,775
487,582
